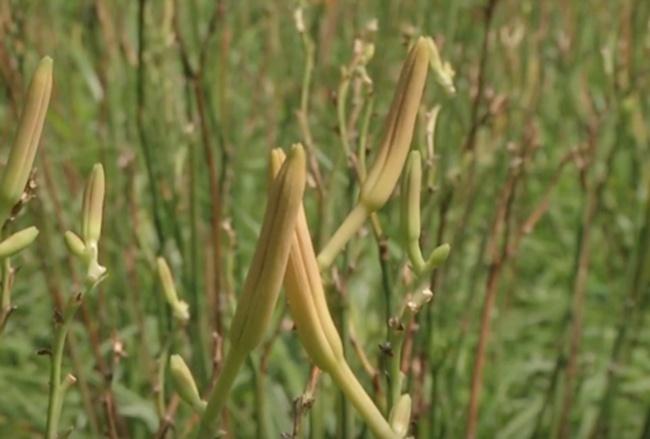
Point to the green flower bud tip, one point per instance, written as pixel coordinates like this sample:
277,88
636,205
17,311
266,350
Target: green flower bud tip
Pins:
411,188
262,285
184,383
400,416
23,151
17,242
179,307
93,204
438,256
75,244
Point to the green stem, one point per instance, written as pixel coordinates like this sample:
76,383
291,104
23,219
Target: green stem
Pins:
219,395
5,304
57,387
348,383
346,230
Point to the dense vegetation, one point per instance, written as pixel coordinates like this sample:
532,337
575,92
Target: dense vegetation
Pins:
536,171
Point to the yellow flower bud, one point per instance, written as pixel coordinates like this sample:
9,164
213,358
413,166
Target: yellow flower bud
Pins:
93,205
306,295
184,383
22,154
179,308
18,241
398,128
262,285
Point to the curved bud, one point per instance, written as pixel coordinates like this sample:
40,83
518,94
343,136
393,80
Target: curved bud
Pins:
17,242
262,285
179,308
93,204
400,416
184,383
306,295
398,128
23,151
75,245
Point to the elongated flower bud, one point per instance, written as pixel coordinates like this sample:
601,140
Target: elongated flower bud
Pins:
22,154
93,205
411,188
305,293
398,128
179,307
394,148
18,241
262,285
184,383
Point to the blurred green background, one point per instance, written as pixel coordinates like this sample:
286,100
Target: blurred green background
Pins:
540,182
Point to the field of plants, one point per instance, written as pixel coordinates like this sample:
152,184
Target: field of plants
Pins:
325,219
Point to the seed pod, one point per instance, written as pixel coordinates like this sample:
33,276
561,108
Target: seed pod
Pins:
23,151
262,285
305,293
184,383
93,204
179,308
398,128
18,241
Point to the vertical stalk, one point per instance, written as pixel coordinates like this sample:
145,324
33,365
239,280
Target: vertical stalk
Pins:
219,394
57,386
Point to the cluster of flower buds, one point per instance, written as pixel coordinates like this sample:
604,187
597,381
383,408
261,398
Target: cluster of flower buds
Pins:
314,324
395,142
86,246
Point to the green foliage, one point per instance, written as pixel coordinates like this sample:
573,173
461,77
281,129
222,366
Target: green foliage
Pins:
181,101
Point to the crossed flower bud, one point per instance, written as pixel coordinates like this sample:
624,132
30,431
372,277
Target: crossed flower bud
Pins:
263,281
